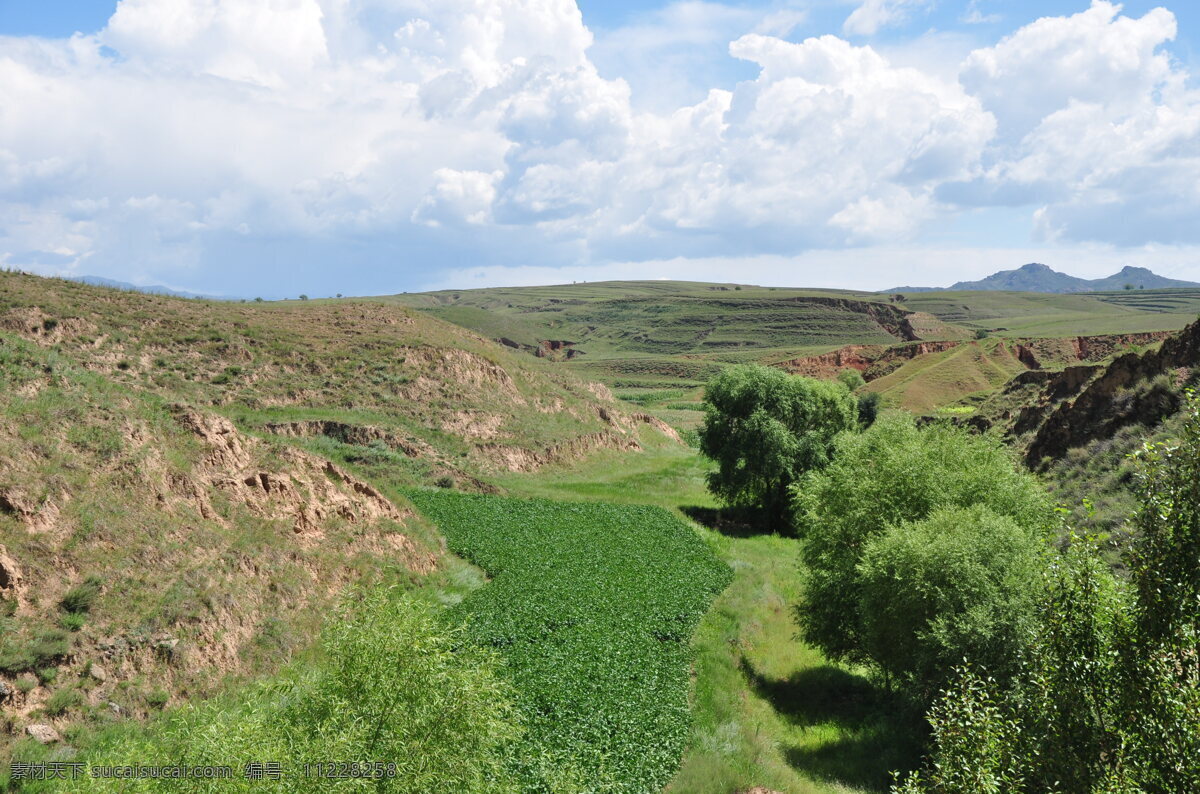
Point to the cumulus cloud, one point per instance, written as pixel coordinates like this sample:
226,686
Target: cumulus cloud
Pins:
188,129
1096,124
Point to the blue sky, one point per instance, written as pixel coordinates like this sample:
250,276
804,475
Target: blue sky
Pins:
375,146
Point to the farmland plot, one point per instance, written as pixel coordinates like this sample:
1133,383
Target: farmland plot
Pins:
593,606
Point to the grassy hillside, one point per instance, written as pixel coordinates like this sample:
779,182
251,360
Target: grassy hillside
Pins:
452,402
186,486
149,549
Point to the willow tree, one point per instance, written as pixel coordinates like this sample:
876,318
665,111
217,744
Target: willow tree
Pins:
766,428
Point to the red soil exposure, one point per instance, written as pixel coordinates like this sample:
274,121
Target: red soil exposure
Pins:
1033,353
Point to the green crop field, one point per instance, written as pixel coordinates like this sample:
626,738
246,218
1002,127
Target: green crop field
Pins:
593,606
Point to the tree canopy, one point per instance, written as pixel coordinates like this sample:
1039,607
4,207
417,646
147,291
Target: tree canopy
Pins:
960,583
765,428
891,473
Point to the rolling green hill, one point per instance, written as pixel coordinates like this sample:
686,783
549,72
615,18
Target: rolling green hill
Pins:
657,342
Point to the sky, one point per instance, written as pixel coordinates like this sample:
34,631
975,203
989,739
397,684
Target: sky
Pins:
278,147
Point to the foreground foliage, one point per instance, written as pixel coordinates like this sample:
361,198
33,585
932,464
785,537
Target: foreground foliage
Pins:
394,687
1108,696
592,606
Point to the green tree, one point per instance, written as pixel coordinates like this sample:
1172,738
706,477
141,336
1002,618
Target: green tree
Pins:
869,403
1108,695
765,428
890,473
959,584
852,379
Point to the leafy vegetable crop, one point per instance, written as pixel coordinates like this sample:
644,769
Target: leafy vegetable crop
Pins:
592,606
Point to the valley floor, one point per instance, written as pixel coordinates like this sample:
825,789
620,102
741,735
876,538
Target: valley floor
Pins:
768,710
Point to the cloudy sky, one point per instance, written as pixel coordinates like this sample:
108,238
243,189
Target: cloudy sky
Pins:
273,147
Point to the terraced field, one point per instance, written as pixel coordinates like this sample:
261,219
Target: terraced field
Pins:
1018,314
656,343
593,606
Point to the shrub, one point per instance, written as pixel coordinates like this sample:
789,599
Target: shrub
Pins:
81,597
959,584
394,686
158,698
852,379
869,403
891,473
72,621
15,657
49,646
62,701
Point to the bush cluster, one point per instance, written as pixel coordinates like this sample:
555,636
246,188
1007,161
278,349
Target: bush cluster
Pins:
1106,698
394,685
918,547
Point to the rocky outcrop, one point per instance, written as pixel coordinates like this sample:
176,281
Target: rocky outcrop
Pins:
867,359
38,326
1109,401
1059,410
621,436
521,459
360,435
305,492
875,361
462,367
556,349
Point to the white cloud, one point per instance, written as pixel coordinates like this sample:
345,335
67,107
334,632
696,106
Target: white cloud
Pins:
1096,124
484,127
1092,56
973,16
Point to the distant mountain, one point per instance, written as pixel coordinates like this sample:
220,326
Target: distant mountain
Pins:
1138,277
1036,277
100,281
